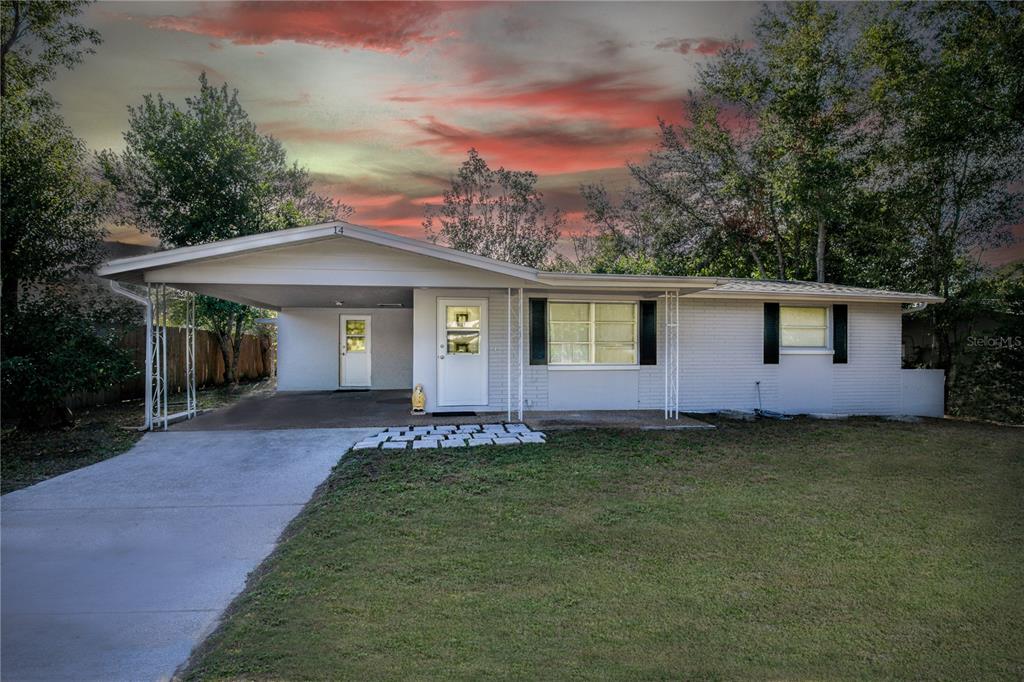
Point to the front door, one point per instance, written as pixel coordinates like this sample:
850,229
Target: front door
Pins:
462,351
355,351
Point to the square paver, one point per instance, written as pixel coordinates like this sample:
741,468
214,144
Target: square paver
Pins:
405,438
421,444
395,445
530,439
432,436
502,440
366,445
457,443
516,428
473,442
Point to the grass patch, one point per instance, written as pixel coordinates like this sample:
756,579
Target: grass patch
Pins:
97,433
808,549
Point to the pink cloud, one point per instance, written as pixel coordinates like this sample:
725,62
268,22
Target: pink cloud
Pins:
701,46
395,27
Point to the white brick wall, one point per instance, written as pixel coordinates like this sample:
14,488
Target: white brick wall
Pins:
871,382
722,356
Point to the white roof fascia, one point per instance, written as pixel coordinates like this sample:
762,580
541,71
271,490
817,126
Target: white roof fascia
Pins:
880,297
298,235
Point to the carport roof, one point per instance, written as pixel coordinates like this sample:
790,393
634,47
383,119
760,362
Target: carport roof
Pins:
133,270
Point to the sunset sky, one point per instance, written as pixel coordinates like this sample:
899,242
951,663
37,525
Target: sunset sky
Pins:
381,101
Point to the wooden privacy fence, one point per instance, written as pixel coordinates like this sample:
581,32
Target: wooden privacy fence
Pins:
256,362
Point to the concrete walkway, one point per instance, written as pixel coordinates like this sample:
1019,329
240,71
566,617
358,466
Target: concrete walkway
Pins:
116,571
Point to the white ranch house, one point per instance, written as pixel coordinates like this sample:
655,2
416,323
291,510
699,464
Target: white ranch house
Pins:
361,308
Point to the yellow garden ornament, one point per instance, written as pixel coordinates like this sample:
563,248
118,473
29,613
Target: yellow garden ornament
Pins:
419,400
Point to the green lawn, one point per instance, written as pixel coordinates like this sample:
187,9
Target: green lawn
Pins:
96,433
799,550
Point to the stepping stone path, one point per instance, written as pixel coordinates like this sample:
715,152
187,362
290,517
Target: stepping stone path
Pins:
463,435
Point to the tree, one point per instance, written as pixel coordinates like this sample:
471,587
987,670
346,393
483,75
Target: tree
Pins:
55,341
495,213
949,167
36,37
800,85
52,205
203,173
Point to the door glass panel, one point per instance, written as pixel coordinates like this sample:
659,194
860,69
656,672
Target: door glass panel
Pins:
355,343
464,342
462,316
355,327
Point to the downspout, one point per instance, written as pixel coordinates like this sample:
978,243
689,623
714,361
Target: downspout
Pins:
143,300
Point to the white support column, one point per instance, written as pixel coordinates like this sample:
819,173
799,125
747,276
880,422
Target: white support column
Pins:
508,354
191,395
521,369
664,349
163,343
678,325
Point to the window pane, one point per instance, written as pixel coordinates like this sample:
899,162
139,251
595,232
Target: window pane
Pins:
570,331
463,317
803,317
803,337
569,353
615,331
357,327
569,312
464,342
355,343
615,312
616,354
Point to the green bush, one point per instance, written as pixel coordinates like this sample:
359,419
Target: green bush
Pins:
56,346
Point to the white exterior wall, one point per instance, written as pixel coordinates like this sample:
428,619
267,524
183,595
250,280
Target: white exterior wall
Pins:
308,347
723,355
721,358
871,381
425,351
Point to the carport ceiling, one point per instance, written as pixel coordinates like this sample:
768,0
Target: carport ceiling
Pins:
305,296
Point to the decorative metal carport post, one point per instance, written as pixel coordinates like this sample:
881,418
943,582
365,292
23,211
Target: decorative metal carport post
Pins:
157,383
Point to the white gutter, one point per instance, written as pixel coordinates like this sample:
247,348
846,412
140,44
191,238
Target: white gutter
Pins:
143,300
915,307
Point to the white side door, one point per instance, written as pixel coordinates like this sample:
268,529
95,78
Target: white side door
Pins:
461,351
355,351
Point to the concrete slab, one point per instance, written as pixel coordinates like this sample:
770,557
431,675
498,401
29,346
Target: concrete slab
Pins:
116,571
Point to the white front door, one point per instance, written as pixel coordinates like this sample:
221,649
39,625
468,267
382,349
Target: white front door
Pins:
462,351
355,351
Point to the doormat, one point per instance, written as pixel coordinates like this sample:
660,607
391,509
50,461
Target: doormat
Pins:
453,414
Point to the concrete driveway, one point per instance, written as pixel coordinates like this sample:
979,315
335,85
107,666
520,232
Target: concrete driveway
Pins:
116,571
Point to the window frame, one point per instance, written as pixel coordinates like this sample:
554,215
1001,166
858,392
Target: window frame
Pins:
825,349
592,342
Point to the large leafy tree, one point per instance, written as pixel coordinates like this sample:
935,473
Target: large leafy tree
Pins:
56,341
202,173
51,206
495,213
800,86
36,37
945,92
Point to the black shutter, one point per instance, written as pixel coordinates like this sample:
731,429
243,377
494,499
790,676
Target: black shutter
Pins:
538,331
840,319
648,332
771,333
